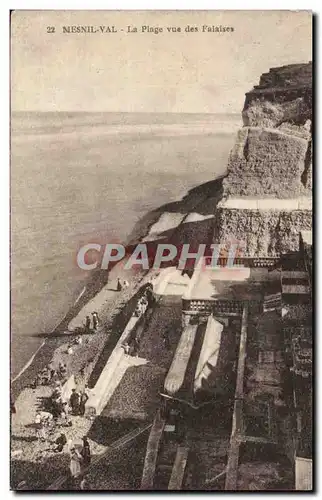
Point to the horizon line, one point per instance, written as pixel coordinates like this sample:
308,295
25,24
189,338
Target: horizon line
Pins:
126,112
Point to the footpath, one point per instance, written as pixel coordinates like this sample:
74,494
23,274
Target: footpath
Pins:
27,450
135,398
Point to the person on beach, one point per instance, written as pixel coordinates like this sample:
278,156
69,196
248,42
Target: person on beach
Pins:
53,375
138,310
39,427
118,285
135,347
126,348
60,443
150,296
62,370
166,340
41,377
57,391
84,484
95,320
64,416
76,460
56,407
86,452
87,324
74,402
42,422
144,303
82,402
45,376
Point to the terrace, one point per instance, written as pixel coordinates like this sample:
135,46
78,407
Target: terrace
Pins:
224,290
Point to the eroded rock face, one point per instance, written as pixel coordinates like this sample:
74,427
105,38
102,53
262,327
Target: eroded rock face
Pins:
262,233
266,163
284,95
271,162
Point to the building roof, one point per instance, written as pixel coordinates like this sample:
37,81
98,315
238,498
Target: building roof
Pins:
199,361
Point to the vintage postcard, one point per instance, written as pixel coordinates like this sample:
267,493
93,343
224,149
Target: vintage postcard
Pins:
161,250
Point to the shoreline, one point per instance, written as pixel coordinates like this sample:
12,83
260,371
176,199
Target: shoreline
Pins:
95,283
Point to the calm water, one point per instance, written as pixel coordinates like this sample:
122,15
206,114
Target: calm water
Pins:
81,177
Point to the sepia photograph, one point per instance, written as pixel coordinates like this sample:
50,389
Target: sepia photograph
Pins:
161,232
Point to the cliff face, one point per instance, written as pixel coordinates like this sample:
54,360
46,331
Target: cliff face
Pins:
267,192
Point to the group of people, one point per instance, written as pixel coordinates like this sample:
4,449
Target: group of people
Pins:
59,410
58,415
49,374
44,424
91,323
145,301
141,306
131,347
77,402
80,459
79,456
120,285
58,407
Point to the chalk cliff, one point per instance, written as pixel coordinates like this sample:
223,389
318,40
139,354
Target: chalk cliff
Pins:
267,192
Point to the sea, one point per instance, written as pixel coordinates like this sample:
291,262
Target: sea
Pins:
89,177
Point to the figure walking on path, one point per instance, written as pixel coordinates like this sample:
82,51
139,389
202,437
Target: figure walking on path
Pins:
76,460
43,421
150,296
135,347
95,320
87,324
84,484
165,339
86,452
60,443
74,402
82,402
62,370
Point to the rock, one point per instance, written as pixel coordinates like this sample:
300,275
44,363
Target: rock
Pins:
267,198
266,162
283,95
263,232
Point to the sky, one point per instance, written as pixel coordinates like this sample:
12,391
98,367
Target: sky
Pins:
195,72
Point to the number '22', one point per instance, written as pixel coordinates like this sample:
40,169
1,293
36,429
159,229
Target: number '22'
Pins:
50,29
